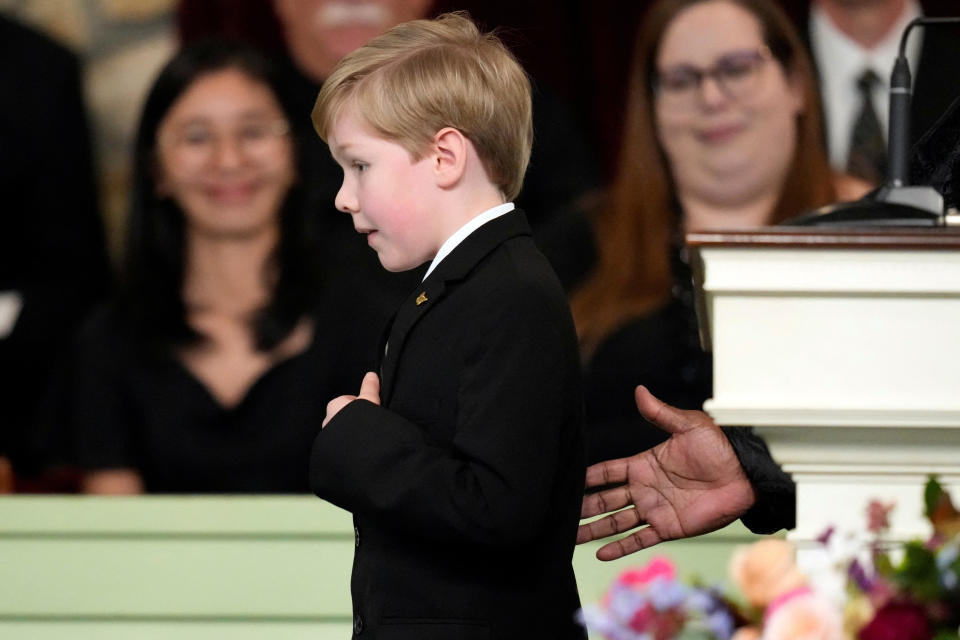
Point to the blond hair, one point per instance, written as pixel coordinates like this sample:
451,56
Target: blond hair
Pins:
424,75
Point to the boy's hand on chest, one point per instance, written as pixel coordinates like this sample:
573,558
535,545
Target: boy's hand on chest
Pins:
369,390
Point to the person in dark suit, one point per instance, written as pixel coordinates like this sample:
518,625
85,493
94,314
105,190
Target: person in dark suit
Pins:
848,39
53,259
464,470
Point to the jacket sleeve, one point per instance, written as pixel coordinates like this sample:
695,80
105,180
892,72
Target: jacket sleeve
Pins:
776,505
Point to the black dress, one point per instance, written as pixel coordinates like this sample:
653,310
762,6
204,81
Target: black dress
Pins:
660,350
141,409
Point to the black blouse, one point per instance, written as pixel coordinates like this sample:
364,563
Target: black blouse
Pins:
660,350
146,411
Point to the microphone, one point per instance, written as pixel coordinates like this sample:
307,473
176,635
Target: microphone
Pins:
895,203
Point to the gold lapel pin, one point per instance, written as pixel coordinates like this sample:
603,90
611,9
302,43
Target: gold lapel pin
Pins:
421,298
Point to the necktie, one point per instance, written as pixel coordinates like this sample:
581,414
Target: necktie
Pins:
868,152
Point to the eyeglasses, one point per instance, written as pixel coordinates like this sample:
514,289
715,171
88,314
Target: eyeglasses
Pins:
736,73
197,144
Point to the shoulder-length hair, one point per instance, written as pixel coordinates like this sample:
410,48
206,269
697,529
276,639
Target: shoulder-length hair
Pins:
155,259
635,230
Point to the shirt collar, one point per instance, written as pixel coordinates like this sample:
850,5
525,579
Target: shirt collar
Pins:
843,60
461,234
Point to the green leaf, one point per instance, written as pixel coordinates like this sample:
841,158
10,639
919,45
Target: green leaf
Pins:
917,573
931,494
883,564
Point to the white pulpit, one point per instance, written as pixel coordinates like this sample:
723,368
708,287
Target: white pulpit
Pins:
842,349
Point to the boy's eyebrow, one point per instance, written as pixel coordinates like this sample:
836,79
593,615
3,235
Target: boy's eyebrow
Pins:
339,149
336,150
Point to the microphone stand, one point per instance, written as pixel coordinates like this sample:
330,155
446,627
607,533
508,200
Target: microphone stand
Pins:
896,203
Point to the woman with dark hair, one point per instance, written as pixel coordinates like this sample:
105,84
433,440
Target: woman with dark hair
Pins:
210,372
722,130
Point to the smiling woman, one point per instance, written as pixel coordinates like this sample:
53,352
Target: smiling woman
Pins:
211,370
224,155
722,131
716,130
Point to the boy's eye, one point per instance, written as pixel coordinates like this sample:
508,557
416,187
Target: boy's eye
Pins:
359,166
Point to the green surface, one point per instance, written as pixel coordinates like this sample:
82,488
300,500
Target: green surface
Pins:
201,567
164,630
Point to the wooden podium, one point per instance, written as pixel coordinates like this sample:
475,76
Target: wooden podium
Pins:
842,349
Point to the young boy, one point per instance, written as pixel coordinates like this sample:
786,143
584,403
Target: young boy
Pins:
464,468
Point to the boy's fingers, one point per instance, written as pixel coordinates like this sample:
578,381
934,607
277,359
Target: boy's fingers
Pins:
334,407
370,388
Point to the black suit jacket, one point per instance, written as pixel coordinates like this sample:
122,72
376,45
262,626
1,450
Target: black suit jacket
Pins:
466,483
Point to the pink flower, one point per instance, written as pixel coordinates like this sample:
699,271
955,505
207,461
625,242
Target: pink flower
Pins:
643,618
897,621
664,625
878,516
658,567
804,616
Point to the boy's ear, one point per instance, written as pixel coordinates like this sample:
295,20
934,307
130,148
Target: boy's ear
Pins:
450,151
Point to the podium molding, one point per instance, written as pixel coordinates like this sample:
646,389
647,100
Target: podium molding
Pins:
841,347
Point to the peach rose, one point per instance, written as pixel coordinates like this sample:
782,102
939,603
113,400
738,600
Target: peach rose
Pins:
766,569
746,633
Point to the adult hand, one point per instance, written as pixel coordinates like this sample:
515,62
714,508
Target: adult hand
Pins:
689,485
369,390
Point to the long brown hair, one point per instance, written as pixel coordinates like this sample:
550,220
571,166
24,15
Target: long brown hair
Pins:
634,230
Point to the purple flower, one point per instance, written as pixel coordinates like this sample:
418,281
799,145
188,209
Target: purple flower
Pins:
721,624
665,595
859,576
824,538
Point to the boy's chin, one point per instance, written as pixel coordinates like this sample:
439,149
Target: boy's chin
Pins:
396,266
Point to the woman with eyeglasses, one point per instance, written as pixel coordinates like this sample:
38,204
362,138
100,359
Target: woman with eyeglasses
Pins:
722,131
211,371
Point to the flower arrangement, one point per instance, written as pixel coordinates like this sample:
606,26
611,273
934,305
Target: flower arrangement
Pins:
876,590
782,602
909,591
649,603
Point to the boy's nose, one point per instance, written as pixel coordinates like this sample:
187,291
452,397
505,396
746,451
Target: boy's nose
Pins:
346,201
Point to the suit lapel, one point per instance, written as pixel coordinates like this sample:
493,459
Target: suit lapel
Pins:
451,269
413,308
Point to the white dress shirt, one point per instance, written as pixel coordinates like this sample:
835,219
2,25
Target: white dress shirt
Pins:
841,61
461,234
